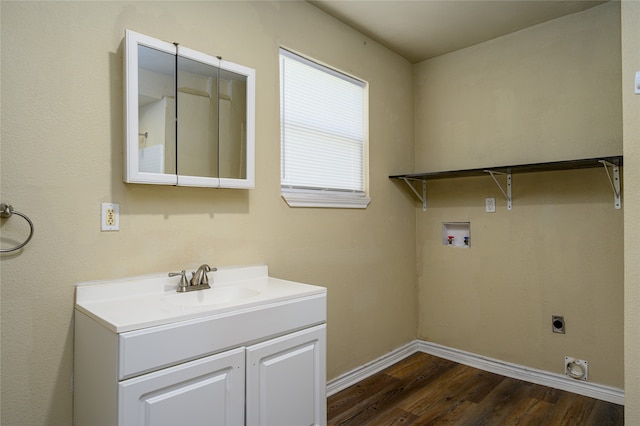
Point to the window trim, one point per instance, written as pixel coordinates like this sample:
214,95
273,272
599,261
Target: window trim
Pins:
324,198
330,198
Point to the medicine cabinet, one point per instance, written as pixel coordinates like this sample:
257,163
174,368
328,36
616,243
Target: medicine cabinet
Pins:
189,116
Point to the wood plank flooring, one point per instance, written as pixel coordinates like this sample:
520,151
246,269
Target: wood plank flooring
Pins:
426,390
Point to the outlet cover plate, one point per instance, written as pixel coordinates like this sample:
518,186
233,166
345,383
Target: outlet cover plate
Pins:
576,368
490,205
110,217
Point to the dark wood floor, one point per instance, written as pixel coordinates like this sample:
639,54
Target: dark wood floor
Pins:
426,390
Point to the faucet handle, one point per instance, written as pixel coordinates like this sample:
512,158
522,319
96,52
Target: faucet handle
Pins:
205,278
182,286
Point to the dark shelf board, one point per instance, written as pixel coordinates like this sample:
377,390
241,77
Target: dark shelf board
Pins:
586,163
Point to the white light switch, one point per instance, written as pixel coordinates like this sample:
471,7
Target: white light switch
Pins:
637,86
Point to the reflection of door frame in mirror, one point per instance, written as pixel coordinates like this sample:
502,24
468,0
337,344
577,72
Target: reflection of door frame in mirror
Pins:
132,172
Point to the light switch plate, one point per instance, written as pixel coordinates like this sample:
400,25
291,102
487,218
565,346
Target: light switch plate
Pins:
637,86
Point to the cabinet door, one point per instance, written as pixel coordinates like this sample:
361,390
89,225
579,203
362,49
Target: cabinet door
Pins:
286,380
208,391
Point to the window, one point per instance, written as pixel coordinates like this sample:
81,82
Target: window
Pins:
323,122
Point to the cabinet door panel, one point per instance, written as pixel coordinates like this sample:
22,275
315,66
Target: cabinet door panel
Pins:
209,391
286,380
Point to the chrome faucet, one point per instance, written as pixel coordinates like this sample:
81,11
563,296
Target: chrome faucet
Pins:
199,279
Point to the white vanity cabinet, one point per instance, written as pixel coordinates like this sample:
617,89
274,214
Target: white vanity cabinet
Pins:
262,362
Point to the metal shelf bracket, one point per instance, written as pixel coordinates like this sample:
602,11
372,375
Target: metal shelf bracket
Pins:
615,182
507,193
422,197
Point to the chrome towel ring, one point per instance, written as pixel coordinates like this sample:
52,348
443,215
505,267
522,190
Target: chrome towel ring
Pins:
6,210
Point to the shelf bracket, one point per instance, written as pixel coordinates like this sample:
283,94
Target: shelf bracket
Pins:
615,182
507,193
422,197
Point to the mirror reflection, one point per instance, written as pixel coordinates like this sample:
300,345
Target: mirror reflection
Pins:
197,118
233,125
156,111
211,112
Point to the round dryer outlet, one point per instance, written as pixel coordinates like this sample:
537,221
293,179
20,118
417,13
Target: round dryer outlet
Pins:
576,368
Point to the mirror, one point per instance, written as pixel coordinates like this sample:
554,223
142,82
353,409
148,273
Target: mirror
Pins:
197,118
189,117
156,111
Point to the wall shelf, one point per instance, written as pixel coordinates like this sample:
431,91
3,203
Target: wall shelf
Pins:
614,163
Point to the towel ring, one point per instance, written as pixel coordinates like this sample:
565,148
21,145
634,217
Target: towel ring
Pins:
6,210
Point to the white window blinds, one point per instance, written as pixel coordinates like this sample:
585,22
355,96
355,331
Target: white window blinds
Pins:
322,115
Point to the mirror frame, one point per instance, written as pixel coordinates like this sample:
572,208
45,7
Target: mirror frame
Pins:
132,173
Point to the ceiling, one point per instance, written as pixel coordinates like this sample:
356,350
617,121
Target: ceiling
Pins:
423,29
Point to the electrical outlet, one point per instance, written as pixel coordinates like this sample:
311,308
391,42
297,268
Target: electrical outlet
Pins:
490,205
110,217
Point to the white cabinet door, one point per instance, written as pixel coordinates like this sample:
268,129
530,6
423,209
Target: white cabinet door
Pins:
208,391
286,380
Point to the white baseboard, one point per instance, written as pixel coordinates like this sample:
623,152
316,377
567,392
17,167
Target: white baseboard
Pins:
369,369
516,371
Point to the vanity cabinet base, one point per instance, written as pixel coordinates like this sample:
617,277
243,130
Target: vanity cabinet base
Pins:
277,380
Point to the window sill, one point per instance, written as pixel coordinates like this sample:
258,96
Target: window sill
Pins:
325,199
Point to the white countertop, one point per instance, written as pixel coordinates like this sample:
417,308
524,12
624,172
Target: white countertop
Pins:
140,302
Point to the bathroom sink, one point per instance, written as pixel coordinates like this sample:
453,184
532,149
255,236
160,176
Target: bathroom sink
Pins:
136,303
212,296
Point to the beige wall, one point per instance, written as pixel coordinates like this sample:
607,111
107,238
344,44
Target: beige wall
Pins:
558,251
631,131
547,93
62,156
